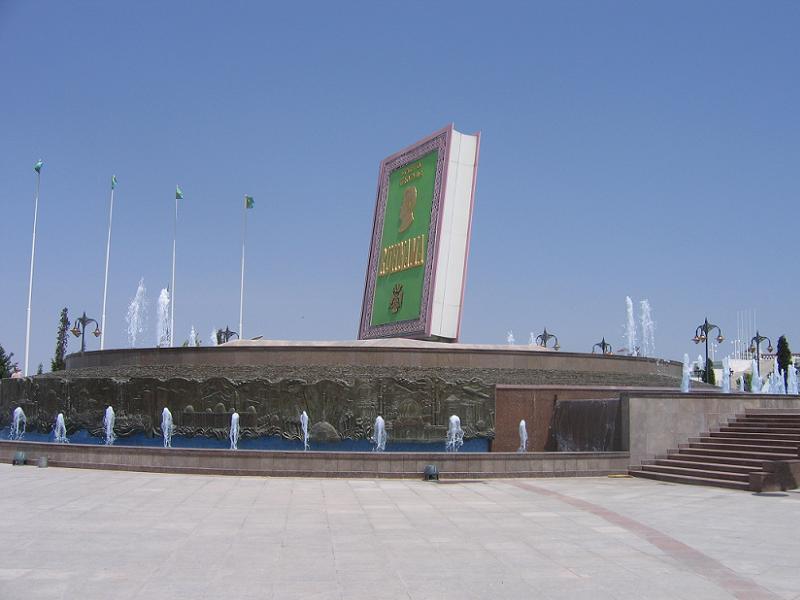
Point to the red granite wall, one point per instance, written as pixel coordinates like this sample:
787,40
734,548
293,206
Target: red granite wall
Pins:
535,405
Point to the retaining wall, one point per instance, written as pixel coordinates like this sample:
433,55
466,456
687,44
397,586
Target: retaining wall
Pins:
656,422
319,464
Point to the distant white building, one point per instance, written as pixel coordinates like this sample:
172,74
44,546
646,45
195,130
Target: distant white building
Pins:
741,366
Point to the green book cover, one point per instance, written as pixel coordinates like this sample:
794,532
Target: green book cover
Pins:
403,248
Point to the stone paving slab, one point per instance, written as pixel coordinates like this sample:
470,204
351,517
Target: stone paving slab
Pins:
88,534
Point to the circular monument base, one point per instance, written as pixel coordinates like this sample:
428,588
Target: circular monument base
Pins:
342,386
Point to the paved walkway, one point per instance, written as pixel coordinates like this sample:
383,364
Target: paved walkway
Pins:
106,535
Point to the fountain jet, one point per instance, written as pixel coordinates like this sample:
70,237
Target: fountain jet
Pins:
648,329
60,430
167,427
163,334
137,314
523,437
108,426
687,370
726,375
455,435
18,422
304,427
379,435
630,327
234,435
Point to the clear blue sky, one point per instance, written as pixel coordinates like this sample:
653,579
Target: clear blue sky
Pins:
629,148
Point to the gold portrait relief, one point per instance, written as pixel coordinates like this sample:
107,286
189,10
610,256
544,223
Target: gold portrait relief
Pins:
397,299
407,208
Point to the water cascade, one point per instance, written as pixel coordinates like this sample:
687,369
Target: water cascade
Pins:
234,435
304,428
379,435
777,382
648,329
523,437
137,314
630,327
455,435
791,384
60,430
108,426
780,383
741,383
726,375
687,371
585,426
771,383
167,427
18,422
755,383
780,379
163,334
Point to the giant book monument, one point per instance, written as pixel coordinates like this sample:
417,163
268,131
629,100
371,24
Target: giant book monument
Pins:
420,239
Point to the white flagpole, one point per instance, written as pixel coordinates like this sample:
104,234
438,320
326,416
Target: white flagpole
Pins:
105,280
172,290
30,281
241,288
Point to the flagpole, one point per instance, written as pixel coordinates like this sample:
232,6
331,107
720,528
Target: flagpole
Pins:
241,287
105,280
33,252
172,290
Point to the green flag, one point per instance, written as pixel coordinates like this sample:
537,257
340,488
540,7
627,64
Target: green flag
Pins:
249,202
113,181
178,193
38,166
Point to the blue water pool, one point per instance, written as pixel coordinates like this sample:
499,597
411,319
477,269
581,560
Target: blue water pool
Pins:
261,443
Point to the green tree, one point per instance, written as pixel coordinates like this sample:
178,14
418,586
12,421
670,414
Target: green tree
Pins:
784,357
58,363
6,366
40,369
710,377
748,382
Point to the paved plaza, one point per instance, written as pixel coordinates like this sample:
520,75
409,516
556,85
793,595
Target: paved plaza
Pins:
85,534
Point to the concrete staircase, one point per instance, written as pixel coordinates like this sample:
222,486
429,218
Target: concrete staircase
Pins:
742,455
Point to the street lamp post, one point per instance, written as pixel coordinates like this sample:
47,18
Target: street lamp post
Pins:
605,347
79,330
755,346
545,337
225,336
701,335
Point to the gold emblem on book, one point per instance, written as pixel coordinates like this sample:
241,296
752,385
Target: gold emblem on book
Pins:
397,299
407,208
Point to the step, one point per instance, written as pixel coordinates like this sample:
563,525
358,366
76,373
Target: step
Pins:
769,456
702,473
676,461
736,485
750,441
768,419
788,450
789,437
760,423
792,430
773,412
767,424
727,460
